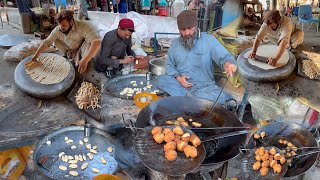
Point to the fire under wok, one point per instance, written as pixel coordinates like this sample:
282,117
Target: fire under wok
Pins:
199,110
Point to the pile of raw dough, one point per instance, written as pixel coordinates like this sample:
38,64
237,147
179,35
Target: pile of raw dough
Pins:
128,91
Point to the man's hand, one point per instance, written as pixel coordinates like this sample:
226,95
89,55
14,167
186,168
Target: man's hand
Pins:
127,60
182,80
230,68
272,61
252,55
82,66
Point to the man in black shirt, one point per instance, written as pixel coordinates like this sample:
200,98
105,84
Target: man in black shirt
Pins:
116,49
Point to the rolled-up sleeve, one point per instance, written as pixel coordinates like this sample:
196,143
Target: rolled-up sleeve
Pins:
219,54
285,33
171,65
262,32
52,37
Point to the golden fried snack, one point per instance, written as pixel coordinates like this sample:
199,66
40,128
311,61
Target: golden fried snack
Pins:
170,146
261,151
280,141
177,138
277,156
190,151
185,124
285,142
156,130
169,137
265,163
283,160
277,168
177,130
169,122
256,136
288,155
293,153
256,166
177,123
294,148
257,152
258,158
272,163
265,157
181,145
290,144
266,151
171,155
196,124
180,119
185,137
159,138
195,140
166,130
272,151
262,134
264,171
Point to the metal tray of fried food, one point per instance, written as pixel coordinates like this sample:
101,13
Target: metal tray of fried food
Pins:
50,167
93,113
118,84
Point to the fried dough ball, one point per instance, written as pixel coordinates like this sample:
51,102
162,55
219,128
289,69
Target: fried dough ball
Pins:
266,151
285,142
156,130
158,138
280,141
294,148
185,137
272,151
277,168
168,137
288,155
277,156
166,130
257,152
180,119
288,149
195,140
190,151
293,153
181,145
177,123
169,122
265,157
258,158
185,124
265,163
256,136
177,130
256,166
272,163
283,160
177,138
290,144
270,157
262,134
196,124
170,146
261,151
264,171
171,155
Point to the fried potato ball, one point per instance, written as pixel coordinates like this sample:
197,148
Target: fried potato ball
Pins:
277,156
168,137
169,122
177,138
190,151
272,151
170,146
181,145
258,158
180,119
262,134
283,160
257,152
166,130
171,155
158,138
272,163
265,157
156,130
277,168
256,136
185,124
195,140
270,157
256,166
266,151
265,163
185,137
177,130
196,124
264,171
261,151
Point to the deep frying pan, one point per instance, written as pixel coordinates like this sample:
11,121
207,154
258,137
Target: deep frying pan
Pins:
294,133
158,112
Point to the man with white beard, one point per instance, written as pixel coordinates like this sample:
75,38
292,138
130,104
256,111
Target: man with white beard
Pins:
190,63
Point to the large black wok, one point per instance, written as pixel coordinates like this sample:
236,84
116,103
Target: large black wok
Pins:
296,134
158,112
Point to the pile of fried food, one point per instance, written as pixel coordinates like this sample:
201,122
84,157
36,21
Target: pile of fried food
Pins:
289,151
88,96
268,158
176,140
181,121
261,135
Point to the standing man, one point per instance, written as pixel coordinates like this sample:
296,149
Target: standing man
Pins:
116,49
281,31
191,58
74,39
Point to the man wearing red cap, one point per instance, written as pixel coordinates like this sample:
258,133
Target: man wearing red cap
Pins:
116,49
190,63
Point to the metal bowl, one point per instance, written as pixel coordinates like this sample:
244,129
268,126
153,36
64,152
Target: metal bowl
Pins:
158,66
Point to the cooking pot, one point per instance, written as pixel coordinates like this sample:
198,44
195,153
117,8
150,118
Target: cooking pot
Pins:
158,66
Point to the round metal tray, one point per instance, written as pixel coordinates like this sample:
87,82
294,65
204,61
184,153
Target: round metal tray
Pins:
51,167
